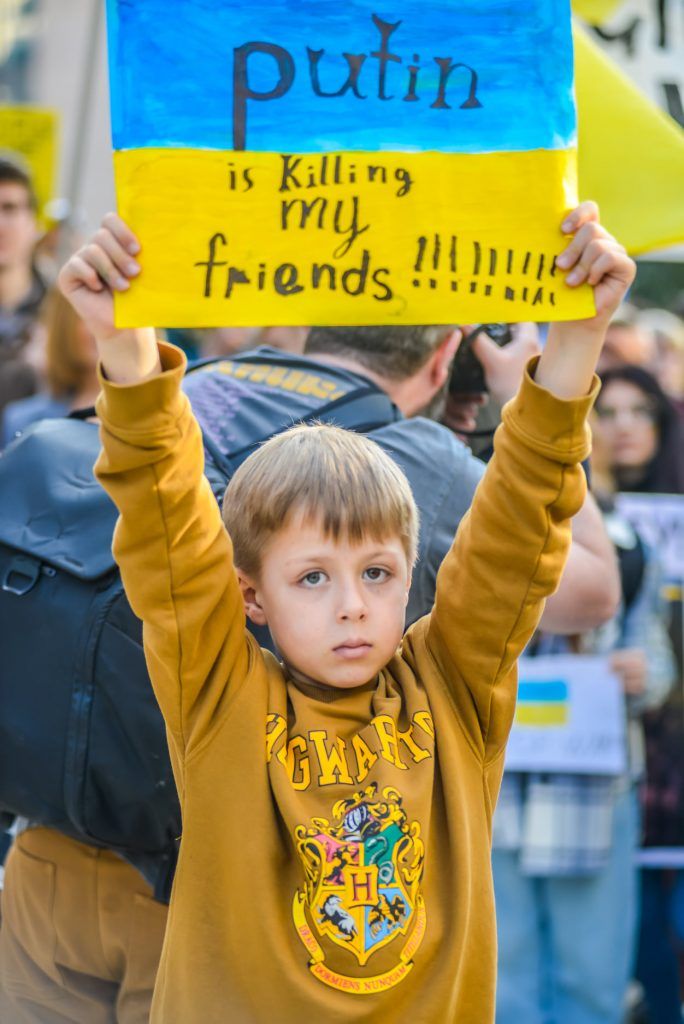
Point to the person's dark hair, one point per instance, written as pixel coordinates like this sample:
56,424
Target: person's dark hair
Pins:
14,172
393,352
665,473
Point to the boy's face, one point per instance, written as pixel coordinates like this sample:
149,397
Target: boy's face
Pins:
335,609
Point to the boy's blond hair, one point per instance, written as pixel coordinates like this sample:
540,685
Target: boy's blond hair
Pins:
333,476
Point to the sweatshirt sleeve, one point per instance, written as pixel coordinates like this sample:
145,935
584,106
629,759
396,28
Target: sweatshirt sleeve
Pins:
173,550
507,557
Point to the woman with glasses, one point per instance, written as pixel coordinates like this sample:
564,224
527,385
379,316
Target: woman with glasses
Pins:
638,434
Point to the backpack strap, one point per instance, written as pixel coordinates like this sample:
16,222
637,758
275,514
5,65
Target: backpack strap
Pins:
363,410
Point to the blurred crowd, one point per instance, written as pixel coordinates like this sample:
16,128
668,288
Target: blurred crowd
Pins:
589,870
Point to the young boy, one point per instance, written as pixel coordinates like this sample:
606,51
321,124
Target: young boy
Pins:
337,804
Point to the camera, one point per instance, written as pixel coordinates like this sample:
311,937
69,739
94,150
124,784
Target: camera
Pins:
467,375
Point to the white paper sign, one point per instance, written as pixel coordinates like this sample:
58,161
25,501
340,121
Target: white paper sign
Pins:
646,40
570,717
659,521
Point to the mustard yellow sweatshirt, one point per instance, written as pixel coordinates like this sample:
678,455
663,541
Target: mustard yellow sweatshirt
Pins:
335,860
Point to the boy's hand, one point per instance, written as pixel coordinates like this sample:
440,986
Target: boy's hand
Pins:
89,279
596,258
102,266
567,364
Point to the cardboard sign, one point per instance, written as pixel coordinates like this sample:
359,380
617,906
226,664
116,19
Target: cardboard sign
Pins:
30,134
302,161
659,521
570,717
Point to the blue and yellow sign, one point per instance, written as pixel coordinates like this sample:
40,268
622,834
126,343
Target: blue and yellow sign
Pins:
302,161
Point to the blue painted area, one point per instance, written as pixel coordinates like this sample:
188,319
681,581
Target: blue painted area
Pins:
547,691
173,70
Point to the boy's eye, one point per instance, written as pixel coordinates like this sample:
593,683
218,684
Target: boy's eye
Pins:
312,579
375,574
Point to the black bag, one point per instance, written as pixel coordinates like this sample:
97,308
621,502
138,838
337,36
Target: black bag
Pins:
82,741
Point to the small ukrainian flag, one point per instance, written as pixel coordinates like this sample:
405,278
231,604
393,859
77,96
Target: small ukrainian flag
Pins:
542,703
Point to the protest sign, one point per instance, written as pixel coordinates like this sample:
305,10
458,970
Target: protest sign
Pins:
619,127
570,717
659,521
299,162
30,134
646,41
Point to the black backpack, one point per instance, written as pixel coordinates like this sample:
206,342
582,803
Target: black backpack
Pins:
82,741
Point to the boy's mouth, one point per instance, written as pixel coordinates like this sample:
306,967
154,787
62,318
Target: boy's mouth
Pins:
353,649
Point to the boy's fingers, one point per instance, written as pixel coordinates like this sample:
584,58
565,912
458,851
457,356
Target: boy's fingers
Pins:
99,259
586,234
121,259
77,273
582,214
590,254
605,263
121,231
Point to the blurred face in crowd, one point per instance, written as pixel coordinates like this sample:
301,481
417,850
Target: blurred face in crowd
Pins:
625,426
18,229
626,344
669,368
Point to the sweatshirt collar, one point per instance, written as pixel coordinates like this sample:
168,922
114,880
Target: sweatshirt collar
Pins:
321,691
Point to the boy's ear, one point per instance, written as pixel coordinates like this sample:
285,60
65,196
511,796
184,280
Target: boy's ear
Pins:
250,596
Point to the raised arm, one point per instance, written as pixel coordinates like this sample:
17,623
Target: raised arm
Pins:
589,591
170,543
510,550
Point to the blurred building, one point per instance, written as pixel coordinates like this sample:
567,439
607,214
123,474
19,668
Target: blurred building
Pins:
53,54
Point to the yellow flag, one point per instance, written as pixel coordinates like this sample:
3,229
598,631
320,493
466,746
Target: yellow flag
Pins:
631,154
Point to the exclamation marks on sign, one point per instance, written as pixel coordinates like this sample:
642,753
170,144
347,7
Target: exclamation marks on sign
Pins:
453,257
436,250
418,266
509,293
435,258
479,261
540,266
484,265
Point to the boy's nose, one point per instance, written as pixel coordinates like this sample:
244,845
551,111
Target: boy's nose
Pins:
352,606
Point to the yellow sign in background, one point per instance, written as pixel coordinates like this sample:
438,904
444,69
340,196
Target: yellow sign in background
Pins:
408,237
631,154
30,134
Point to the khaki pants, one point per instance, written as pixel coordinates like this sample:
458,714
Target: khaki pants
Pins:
80,937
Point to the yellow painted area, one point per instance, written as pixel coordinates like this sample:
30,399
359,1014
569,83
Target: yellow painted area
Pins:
30,133
541,714
335,238
631,154
595,12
